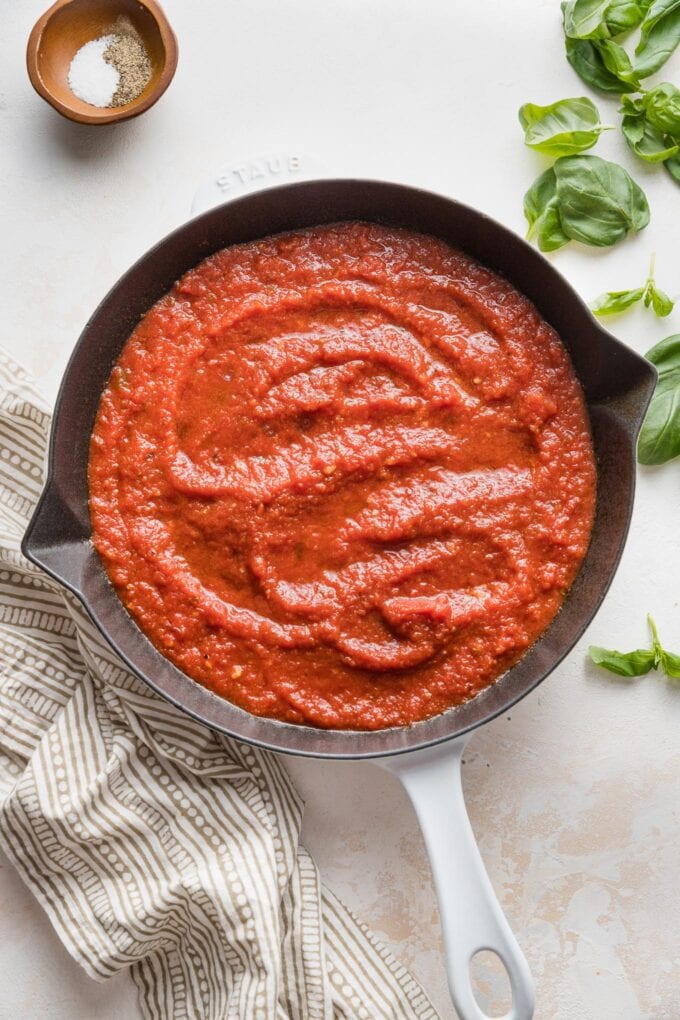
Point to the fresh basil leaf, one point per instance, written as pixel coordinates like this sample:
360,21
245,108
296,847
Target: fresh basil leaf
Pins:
632,105
656,11
640,661
541,193
670,663
585,19
623,15
660,301
587,59
635,663
659,37
598,19
662,109
540,209
562,128
651,124
550,236
654,296
598,201
616,301
646,141
672,165
617,62
659,439
633,127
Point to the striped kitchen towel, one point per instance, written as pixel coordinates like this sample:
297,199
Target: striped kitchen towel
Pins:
151,842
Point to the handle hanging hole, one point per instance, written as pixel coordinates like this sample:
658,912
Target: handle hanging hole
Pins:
490,983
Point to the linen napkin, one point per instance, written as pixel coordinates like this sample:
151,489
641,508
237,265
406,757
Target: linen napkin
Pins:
151,842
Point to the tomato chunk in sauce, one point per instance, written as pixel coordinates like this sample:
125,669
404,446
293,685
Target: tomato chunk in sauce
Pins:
343,476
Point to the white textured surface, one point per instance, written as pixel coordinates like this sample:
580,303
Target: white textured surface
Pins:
575,796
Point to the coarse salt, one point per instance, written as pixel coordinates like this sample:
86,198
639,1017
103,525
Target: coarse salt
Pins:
90,77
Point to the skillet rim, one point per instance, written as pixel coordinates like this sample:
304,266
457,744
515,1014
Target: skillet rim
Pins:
195,705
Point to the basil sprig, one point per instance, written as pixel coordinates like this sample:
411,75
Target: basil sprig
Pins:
584,198
659,439
616,301
564,128
590,27
651,125
639,661
661,106
602,64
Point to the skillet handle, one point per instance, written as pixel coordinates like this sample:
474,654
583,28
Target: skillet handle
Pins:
471,915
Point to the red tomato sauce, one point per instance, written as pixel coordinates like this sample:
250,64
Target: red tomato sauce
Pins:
343,476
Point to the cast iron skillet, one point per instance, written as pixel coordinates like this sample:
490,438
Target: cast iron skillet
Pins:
617,384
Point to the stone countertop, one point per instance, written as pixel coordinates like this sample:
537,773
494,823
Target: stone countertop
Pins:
574,795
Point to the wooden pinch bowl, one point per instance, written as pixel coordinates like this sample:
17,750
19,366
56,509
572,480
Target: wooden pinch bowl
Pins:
69,24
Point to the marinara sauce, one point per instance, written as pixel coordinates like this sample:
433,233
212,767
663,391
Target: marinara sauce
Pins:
342,476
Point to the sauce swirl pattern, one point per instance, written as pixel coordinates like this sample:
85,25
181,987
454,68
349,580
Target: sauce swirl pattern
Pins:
342,476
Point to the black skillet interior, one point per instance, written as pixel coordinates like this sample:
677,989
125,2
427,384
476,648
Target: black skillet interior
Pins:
617,383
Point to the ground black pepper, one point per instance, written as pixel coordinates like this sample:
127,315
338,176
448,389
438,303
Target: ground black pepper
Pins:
129,57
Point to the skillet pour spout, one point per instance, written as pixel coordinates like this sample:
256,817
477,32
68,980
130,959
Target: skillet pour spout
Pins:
616,381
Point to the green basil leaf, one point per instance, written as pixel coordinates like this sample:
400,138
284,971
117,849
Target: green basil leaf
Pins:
598,201
670,663
598,19
632,105
540,209
662,109
646,141
635,663
660,301
672,165
659,38
617,62
586,58
651,124
656,11
562,128
623,15
616,301
538,197
549,235
640,661
659,439
633,127
585,19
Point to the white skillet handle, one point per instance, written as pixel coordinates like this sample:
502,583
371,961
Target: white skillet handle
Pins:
471,915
